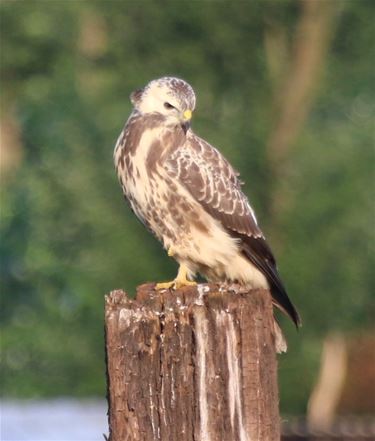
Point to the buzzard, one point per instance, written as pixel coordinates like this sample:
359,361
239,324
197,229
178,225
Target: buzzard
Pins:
189,196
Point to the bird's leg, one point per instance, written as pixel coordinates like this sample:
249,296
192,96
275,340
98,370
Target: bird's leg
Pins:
166,285
180,281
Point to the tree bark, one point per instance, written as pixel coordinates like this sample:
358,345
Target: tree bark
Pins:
195,364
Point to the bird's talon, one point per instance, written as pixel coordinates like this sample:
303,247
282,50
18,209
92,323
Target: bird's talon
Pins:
165,285
181,283
175,284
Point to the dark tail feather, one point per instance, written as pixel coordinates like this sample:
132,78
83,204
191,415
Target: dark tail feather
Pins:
259,253
282,302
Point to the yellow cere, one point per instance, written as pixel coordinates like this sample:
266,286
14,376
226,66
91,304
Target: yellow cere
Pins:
188,114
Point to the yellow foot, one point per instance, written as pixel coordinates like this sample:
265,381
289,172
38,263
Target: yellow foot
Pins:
175,284
179,282
165,285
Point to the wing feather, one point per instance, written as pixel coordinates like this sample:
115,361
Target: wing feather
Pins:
213,182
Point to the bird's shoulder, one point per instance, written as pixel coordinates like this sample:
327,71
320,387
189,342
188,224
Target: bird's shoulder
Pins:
214,183
195,153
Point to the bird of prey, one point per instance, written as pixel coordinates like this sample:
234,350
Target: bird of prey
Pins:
187,194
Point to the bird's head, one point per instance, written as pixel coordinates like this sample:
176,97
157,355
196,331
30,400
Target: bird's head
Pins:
171,97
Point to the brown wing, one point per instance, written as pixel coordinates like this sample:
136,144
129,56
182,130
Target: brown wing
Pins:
212,181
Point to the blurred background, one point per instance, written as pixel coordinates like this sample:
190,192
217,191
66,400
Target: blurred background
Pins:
285,90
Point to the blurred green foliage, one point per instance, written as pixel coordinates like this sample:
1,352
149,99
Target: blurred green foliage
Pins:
67,237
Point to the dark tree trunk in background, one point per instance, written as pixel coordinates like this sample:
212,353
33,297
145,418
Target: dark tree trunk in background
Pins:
295,91
195,364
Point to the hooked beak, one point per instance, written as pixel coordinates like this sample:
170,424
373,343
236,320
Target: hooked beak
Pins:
185,126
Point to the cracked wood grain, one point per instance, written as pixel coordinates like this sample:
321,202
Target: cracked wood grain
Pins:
195,364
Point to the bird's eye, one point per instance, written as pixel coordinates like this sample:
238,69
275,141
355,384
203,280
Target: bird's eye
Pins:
169,106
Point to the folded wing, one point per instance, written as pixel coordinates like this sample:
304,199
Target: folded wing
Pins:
211,180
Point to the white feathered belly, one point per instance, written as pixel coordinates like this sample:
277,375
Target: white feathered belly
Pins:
202,244
216,255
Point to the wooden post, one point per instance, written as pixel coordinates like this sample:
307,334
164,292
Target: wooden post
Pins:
195,364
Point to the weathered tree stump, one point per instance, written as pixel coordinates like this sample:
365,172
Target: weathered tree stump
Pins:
195,364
